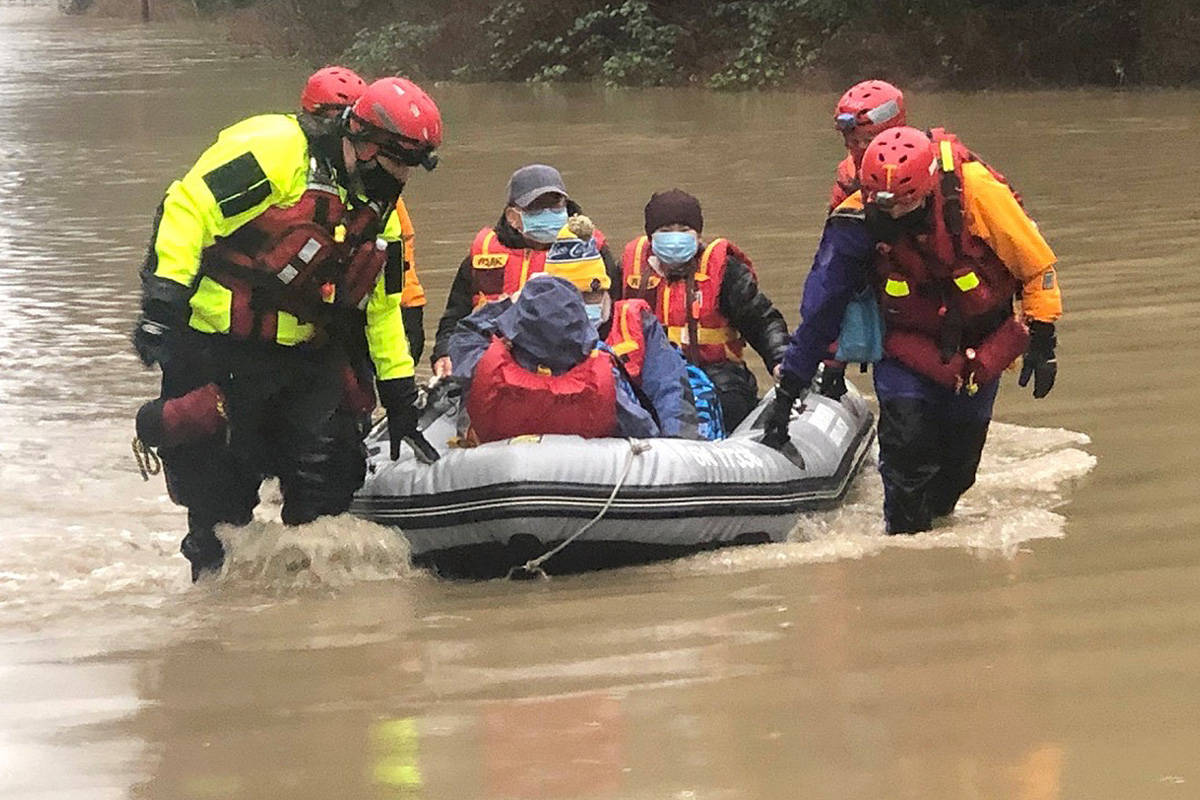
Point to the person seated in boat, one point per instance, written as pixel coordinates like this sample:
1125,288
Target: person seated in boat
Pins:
536,365
656,370
671,263
504,256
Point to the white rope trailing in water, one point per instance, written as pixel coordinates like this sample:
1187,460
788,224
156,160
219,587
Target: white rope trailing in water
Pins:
534,565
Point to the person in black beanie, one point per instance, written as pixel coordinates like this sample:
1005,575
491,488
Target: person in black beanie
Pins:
705,293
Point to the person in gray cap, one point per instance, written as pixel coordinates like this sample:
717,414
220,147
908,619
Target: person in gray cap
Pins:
504,256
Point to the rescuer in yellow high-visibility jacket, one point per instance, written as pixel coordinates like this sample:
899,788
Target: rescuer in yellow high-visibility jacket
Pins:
327,94
268,254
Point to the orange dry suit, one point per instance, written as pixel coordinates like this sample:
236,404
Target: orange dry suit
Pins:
413,294
846,182
947,295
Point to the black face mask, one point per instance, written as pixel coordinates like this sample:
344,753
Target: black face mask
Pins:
885,229
379,184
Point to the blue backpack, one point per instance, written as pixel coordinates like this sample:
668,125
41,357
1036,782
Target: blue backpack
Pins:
708,404
861,337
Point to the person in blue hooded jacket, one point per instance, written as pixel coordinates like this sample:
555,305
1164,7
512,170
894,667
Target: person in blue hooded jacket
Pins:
538,366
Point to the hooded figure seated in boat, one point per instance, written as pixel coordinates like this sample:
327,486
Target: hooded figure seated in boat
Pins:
538,364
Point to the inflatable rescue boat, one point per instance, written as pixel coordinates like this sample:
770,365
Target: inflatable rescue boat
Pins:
481,511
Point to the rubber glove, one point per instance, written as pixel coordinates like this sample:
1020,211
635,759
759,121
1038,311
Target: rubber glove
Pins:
399,397
787,393
1039,361
155,332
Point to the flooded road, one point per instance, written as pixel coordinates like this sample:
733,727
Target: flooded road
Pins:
1044,645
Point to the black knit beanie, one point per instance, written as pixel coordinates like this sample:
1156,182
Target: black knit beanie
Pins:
675,207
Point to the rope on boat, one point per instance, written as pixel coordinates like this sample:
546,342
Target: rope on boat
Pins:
534,565
147,460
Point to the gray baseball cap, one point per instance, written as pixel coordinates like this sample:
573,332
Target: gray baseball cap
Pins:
531,182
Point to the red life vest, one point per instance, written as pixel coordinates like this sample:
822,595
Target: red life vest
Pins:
301,259
507,400
946,296
498,271
627,336
717,340
846,182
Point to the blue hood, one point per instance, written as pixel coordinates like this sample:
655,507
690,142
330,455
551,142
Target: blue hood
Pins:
548,326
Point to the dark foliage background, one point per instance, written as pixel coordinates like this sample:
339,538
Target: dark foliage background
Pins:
752,43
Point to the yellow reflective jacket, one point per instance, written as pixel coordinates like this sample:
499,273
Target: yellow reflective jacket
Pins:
255,164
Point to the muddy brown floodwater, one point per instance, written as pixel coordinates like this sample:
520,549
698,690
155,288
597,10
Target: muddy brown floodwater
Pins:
1044,644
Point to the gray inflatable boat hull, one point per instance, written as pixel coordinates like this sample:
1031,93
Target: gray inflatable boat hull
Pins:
478,511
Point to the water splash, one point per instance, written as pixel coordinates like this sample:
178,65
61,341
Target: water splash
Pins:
1024,476
332,552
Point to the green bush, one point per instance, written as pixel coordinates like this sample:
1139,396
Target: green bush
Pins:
397,48
749,44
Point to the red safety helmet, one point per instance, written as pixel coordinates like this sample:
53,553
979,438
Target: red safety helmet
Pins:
898,168
870,107
397,115
331,88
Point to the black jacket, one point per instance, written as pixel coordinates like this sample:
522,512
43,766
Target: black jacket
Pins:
752,313
461,303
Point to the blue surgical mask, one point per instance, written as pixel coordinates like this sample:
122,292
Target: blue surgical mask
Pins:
543,226
595,312
674,247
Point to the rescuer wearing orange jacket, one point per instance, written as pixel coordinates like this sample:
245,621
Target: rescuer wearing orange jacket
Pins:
866,109
946,244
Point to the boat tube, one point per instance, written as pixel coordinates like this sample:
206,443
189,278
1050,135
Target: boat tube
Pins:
480,511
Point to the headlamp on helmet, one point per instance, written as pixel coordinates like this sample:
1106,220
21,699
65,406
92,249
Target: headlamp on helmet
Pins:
845,122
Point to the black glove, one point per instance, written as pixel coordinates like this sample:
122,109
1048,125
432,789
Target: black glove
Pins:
399,397
164,314
1039,361
832,381
789,390
151,341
